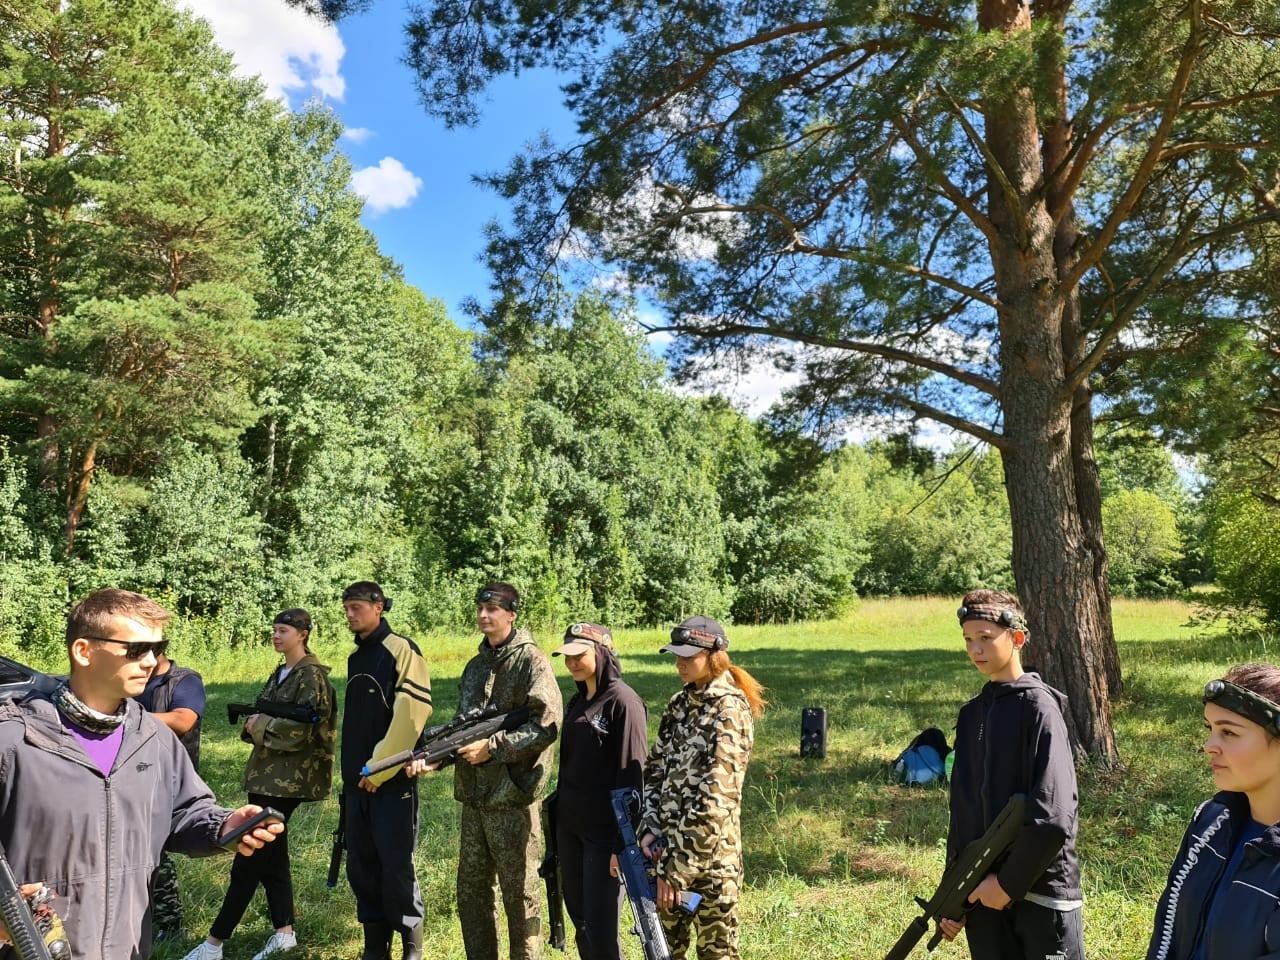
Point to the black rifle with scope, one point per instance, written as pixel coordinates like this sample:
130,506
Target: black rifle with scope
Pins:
440,744
951,899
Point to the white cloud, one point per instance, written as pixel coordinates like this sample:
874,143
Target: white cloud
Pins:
291,51
752,383
388,186
357,134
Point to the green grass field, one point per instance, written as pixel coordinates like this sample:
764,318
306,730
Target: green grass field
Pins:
835,850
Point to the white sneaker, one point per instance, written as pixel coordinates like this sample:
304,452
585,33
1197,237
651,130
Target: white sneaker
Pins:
275,943
206,951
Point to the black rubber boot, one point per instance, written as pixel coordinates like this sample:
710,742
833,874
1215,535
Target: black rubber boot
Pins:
377,942
412,940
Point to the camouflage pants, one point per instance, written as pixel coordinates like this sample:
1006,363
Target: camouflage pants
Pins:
506,843
716,922
166,904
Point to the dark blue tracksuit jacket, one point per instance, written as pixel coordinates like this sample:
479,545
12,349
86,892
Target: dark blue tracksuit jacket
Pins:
1247,923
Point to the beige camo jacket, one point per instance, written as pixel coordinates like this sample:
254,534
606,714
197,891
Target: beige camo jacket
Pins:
693,782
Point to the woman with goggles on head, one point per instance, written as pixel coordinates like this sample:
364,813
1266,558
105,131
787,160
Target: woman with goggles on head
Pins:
602,748
1221,899
691,821
291,763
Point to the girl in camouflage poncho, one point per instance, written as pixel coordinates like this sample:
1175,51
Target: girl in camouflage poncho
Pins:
291,762
691,823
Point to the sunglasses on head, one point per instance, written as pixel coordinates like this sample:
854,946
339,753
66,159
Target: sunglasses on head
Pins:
137,650
1246,703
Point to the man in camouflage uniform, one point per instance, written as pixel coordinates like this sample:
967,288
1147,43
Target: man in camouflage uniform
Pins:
693,793
500,782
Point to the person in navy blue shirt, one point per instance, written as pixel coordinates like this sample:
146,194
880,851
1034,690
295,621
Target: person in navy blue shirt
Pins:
1220,902
175,696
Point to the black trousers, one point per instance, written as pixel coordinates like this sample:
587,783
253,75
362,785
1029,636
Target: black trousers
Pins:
591,897
1025,931
382,832
269,867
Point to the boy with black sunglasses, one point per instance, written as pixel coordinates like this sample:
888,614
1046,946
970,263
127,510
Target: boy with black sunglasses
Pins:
95,788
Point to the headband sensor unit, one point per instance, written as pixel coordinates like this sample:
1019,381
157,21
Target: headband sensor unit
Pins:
501,598
688,636
1002,616
1250,705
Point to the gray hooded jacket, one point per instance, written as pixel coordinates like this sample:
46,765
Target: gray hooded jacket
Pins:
96,840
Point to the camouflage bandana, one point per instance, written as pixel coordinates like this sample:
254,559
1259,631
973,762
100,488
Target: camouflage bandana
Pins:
993,613
83,715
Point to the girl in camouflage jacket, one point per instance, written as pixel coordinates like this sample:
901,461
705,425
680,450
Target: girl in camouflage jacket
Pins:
291,762
691,823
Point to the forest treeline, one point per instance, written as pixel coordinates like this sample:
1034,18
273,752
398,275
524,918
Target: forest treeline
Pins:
215,389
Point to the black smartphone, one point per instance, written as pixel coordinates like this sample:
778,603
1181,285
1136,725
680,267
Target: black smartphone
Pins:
228,841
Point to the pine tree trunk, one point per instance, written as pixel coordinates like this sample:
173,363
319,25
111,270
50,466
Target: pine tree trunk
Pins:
1056,152
1053,562
78,495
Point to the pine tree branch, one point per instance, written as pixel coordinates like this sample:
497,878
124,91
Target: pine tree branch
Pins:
866,347
1146,167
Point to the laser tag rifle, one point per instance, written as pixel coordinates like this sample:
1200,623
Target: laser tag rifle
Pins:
339,843
35,930
301,712
440,744
951,899
640,881
549,871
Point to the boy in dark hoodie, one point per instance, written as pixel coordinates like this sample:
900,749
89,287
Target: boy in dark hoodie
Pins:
1011,738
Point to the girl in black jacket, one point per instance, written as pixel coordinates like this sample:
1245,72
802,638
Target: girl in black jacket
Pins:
602,748
1221,899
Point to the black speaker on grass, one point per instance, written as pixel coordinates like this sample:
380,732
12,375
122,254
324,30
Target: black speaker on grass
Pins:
813,732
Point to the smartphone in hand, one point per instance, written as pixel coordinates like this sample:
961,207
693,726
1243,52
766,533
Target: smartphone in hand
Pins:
228,841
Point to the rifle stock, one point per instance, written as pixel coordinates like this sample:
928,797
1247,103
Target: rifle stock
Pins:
976,860
549,871
441,744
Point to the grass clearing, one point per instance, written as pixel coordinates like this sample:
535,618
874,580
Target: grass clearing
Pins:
834,851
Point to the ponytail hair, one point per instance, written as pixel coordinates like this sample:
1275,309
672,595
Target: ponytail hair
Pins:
751,688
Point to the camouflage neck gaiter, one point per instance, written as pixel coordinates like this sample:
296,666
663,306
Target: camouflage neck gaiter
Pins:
83,715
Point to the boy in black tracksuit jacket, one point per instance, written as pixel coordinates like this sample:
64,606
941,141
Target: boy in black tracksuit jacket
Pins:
386,707
602,748
1010,739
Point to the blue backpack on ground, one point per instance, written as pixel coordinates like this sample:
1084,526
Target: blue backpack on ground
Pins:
924,760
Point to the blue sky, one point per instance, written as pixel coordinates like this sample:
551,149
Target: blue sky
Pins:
415,174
